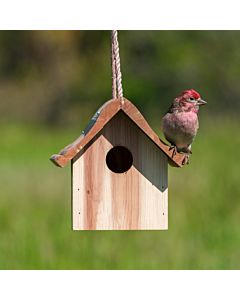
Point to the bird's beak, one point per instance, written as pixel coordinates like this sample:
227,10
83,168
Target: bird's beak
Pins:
201,102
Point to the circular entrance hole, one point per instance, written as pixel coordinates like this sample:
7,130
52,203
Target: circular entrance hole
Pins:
119,159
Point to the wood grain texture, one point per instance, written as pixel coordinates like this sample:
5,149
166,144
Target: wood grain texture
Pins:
136,199
134,114
106,113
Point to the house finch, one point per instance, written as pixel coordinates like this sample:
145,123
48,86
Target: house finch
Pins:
180,123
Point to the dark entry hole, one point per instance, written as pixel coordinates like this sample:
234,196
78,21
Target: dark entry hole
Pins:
119,159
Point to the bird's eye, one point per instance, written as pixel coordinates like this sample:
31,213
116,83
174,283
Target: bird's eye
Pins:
192,99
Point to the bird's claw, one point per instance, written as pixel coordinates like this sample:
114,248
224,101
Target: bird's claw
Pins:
186,159
188,151
174,148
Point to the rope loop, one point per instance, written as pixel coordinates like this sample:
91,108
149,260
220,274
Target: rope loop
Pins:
117,90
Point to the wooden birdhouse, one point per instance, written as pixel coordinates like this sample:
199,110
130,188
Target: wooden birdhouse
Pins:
119,172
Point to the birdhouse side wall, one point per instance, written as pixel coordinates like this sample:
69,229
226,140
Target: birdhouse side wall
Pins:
136,199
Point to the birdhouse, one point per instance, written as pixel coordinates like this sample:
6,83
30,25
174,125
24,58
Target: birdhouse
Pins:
119,172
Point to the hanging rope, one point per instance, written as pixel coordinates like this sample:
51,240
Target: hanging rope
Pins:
117,90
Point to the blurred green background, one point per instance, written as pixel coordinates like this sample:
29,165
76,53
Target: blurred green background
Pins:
51,83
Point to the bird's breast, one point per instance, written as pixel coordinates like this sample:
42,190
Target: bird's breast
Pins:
180,128
186,121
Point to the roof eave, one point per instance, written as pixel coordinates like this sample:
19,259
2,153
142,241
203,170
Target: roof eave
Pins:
100,119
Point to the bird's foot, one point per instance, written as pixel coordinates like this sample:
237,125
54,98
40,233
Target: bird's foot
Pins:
188,151
174,148
186,159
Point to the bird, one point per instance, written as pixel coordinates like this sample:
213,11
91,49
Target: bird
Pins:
180,123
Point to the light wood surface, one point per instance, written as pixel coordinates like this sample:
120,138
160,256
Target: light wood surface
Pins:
136,199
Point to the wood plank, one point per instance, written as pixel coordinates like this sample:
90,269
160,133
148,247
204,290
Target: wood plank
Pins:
78,184
136,199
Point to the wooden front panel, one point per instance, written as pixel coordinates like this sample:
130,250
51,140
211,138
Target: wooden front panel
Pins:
136,199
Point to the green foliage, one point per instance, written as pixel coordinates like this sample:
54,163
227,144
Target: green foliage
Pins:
59,77
35,214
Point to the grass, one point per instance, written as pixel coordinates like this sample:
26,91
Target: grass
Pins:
35,216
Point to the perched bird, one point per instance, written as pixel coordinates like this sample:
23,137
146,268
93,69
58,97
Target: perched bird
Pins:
180,123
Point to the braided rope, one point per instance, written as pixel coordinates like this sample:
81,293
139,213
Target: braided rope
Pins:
114,84
117,90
